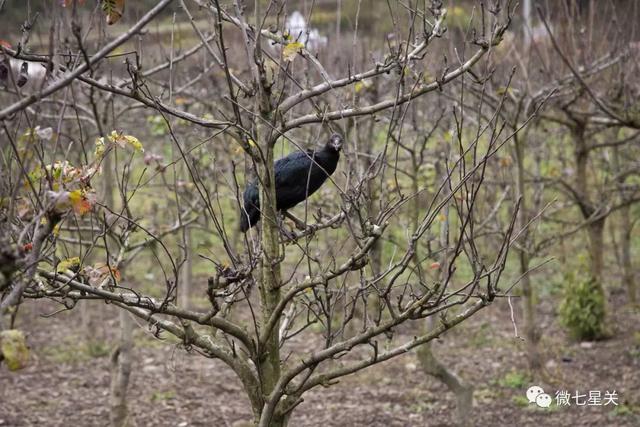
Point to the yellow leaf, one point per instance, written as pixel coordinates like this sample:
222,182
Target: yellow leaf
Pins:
363,84
80,202
13,349
123,140
135,143
75,196
502,90
100,147
291,49
68,264
115,138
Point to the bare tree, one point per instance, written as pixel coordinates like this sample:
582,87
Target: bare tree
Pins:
273,284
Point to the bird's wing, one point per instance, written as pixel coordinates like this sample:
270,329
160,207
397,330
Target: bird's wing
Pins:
251,195
250,210
293,169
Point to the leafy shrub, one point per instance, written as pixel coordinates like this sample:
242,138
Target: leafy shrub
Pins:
582,310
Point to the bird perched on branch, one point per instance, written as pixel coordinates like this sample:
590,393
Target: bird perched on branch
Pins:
298,176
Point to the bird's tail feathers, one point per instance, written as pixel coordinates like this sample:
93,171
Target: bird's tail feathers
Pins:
244,222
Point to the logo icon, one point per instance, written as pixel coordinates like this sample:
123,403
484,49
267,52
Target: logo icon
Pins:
535,394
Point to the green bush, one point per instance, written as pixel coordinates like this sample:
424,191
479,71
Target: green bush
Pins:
582,309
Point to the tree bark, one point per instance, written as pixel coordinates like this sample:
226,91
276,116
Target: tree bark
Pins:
595,229
270,275
532,336
596,222
430,364
461,389
596,249
628,277
121,356
187,270
626,228
121,372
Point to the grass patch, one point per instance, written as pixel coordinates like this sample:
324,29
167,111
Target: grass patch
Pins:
74,350
514,379
159,396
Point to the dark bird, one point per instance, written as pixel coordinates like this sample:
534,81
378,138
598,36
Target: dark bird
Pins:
298,176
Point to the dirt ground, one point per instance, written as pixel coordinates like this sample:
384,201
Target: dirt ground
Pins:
67,384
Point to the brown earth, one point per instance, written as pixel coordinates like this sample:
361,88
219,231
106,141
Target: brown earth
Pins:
65,386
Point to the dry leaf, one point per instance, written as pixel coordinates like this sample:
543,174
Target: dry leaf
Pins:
113,9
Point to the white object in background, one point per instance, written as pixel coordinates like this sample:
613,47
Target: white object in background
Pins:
297,27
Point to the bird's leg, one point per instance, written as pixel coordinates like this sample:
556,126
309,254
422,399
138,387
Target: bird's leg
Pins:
300,225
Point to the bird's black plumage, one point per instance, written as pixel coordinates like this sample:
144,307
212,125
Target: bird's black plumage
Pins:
298,176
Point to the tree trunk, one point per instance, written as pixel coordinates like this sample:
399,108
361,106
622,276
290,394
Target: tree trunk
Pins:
461,389
121,356
626,228
430,364
187,271
270,275
596,248
532,336
595,229
628,278
120,372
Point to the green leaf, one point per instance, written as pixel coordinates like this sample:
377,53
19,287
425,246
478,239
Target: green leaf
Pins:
13,349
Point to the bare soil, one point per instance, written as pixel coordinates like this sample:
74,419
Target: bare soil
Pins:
66,386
